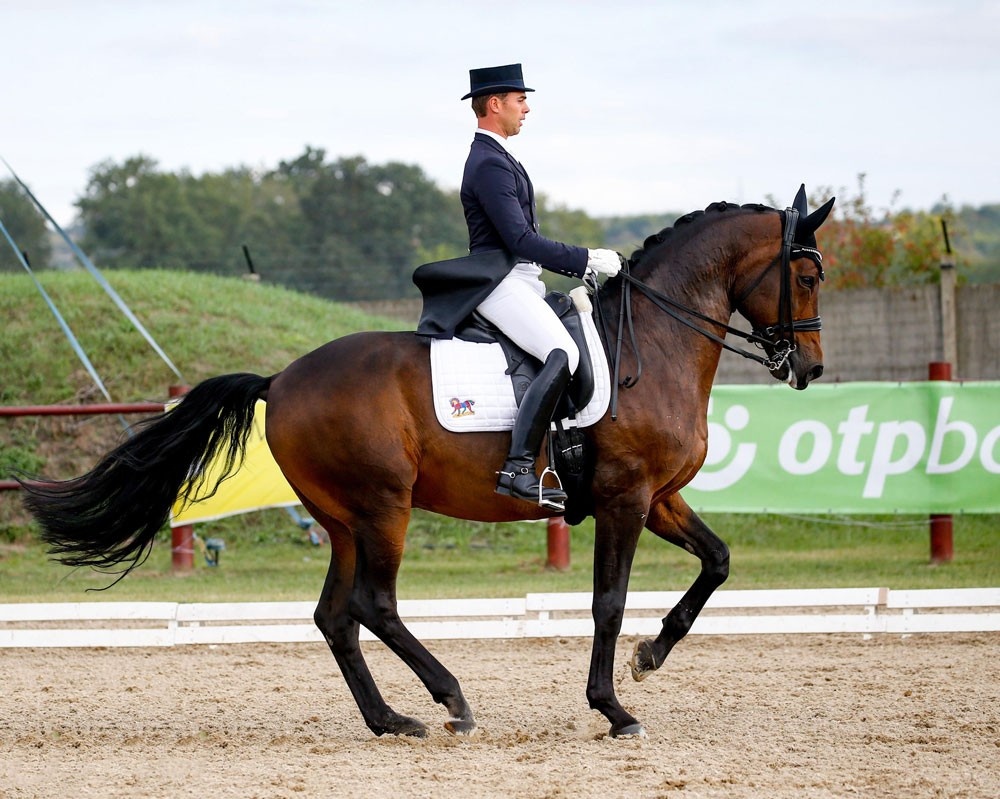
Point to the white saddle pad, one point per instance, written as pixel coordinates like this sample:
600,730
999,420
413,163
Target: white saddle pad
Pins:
472,393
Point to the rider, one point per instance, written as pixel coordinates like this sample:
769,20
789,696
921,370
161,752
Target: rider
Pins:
499,203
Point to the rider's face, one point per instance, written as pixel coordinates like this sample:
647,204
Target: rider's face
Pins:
513,109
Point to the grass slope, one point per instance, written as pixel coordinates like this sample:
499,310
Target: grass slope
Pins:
206,324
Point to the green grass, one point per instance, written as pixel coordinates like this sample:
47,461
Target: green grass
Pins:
269,558
206,324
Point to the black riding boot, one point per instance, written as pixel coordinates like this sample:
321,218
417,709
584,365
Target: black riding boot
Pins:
517,478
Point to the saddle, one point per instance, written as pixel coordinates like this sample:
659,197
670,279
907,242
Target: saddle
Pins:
523,368
471,402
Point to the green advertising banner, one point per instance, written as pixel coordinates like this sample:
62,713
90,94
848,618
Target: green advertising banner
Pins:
929,447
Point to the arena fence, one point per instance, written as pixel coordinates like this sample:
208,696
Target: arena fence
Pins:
864,611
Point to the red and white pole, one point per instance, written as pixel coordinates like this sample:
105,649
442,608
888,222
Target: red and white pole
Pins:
942,524
942,548
182,537
558,544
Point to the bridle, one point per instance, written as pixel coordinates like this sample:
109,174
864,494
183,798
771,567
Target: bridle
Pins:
780,337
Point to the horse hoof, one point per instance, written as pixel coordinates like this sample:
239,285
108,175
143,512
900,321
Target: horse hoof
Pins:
643,663
635,730
404,725
460,727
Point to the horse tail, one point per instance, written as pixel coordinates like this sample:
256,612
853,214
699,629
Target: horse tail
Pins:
109,517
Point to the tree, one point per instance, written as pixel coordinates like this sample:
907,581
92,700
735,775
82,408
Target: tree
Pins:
976,238
865,248
348,229
373,224
26,225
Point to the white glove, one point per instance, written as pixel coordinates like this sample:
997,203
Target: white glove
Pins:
604,262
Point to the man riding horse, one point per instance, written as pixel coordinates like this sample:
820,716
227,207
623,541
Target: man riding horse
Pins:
499,203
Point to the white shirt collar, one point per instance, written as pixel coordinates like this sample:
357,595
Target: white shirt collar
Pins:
497,137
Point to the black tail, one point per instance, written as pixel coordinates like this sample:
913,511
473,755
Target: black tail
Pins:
109,517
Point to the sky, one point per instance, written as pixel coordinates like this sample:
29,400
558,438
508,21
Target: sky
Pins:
640,107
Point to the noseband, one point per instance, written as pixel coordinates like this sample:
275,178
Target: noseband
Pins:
773,336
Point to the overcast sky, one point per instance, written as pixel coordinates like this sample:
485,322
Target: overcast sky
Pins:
639,106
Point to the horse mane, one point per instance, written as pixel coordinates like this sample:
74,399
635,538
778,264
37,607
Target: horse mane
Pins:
657,239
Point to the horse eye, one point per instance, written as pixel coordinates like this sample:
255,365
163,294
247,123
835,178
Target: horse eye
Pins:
807,280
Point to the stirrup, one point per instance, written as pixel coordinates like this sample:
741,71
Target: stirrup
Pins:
550,503
525,493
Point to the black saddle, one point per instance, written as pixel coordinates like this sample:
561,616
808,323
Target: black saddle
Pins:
523,368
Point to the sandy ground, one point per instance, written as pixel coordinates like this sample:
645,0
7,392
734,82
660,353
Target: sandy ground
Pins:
766,716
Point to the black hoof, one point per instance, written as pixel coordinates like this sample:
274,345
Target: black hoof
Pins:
643,662
634,730
464,727
403,725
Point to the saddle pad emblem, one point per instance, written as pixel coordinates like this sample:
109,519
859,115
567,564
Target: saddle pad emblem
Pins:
462,407
473,393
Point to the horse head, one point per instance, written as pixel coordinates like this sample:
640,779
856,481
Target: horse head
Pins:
783,303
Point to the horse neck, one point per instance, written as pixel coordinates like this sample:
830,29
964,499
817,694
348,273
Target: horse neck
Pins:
701,272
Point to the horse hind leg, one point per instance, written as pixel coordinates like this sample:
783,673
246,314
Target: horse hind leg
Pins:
361,589
379,549
673,521
341,634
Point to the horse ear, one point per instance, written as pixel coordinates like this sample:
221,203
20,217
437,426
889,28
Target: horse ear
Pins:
801,204
811,223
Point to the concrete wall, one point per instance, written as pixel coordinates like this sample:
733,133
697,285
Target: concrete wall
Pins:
892,334
868,334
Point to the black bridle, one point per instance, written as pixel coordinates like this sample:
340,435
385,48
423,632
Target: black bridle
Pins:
780,337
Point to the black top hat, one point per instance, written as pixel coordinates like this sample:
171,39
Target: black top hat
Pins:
495,80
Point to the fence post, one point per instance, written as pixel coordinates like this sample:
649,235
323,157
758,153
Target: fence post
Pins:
182,537
558,544
942,525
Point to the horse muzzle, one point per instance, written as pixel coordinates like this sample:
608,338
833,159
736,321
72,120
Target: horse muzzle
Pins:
798,370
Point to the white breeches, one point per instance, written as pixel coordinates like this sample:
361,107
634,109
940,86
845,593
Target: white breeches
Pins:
517,306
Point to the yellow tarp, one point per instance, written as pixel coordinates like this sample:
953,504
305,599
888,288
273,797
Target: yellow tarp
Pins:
258,484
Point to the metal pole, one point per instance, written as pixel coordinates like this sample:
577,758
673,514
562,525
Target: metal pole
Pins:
949,316
182,537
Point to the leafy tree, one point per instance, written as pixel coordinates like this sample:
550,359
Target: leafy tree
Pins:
372,224
865,248
627,233
26,226
567,225
347,229
977,240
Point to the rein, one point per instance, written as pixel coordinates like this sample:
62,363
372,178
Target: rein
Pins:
783,347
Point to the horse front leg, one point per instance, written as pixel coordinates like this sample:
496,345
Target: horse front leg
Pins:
673,521
617,533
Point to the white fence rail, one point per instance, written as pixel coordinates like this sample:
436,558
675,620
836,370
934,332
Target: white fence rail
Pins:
865,611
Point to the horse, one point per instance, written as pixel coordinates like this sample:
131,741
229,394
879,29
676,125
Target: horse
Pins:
359,468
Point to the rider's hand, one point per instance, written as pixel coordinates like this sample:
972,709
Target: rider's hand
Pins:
604,262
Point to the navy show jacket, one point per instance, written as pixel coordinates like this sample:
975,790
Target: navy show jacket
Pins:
499,203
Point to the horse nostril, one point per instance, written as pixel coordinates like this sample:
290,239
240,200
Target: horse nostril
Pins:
816,372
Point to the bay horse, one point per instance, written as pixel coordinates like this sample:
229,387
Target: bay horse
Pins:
359,467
